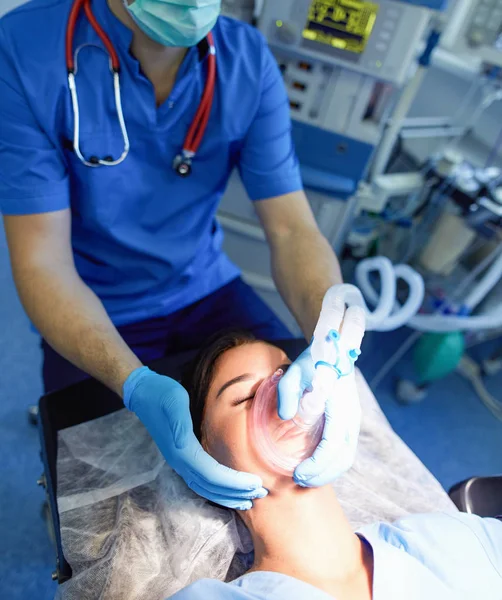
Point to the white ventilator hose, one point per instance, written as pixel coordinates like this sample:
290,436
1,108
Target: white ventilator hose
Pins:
487,283
383,319
388,313
333,353
444,323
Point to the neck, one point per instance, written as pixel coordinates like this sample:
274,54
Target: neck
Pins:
305,534
159,63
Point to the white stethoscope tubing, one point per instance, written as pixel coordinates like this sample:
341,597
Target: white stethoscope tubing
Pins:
76,115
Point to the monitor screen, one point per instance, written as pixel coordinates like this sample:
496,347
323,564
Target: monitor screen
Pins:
342,24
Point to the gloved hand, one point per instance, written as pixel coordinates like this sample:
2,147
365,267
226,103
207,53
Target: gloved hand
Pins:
336,451
162,405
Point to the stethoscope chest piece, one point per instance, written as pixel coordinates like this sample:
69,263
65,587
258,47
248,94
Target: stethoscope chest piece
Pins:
182,165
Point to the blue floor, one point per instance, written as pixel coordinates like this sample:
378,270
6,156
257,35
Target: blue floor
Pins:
26,556
451,431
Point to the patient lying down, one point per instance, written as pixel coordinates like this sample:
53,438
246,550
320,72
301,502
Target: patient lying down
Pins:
304,545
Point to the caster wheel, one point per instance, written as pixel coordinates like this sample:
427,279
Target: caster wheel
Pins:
33,414
46,515
408,392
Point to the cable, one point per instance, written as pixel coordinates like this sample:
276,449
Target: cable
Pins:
486,337
466,102
479,268
495,150
391,132
490,99
469,369
410,246
491,96
394,358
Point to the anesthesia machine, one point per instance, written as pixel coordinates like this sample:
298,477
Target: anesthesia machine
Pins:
344,63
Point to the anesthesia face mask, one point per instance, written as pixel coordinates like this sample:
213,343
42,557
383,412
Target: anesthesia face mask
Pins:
283,445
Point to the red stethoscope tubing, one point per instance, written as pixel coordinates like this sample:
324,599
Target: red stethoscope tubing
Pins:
70,34
199,123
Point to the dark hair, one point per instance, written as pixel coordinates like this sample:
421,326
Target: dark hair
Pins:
198,375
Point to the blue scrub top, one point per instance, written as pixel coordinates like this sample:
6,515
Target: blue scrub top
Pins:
421,557
144,239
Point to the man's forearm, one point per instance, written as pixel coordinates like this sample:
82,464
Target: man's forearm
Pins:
74,322
304,267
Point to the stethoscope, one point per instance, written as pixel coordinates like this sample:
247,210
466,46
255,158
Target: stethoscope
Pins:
182,164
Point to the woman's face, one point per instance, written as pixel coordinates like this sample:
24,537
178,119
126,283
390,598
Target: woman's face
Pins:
238,374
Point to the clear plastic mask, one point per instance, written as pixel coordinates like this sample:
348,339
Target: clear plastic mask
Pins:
283,445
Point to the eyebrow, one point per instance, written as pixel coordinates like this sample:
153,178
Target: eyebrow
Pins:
238,379
244,377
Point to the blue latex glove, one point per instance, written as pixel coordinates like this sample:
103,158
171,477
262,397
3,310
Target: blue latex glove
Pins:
336,451
162,405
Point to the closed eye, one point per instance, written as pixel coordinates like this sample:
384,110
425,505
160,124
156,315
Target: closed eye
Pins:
242,400
238,401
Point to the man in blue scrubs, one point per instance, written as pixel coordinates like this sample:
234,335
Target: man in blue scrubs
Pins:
120,265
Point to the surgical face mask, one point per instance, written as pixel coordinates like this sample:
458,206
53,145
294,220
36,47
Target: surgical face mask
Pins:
182,23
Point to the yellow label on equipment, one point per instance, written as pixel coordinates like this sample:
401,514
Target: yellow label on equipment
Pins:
343,24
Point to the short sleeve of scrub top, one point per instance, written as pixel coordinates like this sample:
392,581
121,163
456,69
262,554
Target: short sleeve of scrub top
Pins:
33,175
268,165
